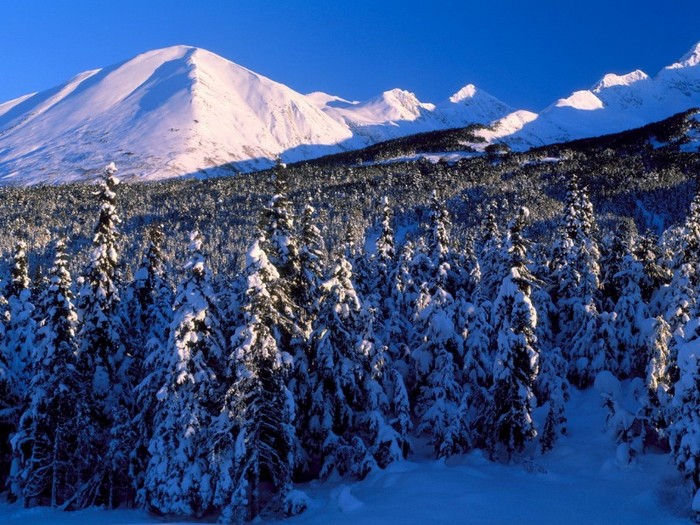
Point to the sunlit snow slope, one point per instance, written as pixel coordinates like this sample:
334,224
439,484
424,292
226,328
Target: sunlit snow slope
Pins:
615,103
183,111
164,113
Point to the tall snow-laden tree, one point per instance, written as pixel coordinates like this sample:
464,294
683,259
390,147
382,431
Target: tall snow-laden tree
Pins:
152,304
312,266
51,428
576,272
178,478
102,355
438,239
400,330
279,238
631,312
440,396
516,363
658,377
491,261
349,429
259,406
18,344
312,258
18,349
685,429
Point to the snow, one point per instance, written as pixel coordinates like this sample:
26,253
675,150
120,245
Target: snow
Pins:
579,482
583,100
165,113
615,103
182,110
612,79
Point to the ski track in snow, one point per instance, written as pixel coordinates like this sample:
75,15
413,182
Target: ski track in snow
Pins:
579,482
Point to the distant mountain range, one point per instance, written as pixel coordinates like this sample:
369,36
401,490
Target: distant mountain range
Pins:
186,111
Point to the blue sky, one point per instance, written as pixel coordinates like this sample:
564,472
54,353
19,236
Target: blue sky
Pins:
527,53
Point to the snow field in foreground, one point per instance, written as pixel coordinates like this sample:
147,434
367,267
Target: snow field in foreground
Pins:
579,482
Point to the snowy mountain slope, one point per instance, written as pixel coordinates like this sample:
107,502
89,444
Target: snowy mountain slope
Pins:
184,110
399,113
615,103
164,113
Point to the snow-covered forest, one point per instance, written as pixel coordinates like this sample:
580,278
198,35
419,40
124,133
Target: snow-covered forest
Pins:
330,355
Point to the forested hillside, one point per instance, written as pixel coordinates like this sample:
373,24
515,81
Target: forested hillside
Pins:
200,348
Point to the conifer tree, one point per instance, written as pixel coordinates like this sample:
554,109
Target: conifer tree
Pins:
491,261
553,388
18,350
47,454
178,477
18,345
400,331
658,378
312,262
259,406
348,431
440,395
576,272
630,310
151,316
102,355
685,429
516,363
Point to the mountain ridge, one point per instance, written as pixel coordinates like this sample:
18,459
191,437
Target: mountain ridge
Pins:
183,110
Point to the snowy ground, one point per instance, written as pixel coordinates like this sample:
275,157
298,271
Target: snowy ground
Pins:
579,482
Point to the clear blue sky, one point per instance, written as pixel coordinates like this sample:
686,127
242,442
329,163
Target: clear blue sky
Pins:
526,52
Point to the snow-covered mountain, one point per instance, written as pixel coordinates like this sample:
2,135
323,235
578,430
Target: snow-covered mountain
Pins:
615,103
184,110
164,113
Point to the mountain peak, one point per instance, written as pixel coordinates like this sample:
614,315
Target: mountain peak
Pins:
467,92
690,59
611,80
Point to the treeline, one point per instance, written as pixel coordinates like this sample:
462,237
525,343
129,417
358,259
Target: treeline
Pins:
215,398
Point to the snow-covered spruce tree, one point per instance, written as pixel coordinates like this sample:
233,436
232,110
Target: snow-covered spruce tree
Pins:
385,247
684,431
312,267
399,332
477,373
348,431
491,261
378,282
516,363
631,313
279,239
385,417
438,238
658,380
46,445
7,402
102,355
178,478
440,405
18,348
259,407
576,272
20,331
150,318
553,387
